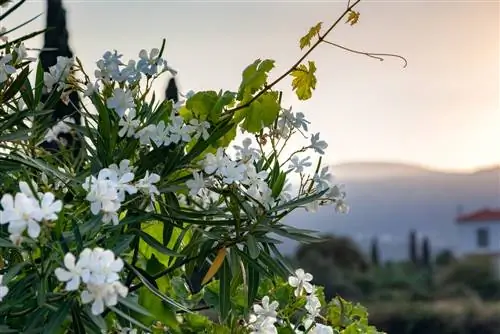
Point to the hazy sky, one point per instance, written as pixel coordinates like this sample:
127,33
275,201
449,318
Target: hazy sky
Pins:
442,111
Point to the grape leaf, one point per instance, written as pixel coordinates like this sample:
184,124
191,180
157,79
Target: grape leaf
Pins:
353,17
306,39
304,80
254,78
201,103
262,112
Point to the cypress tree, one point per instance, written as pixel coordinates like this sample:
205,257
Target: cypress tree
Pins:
412,244
426,252
374,252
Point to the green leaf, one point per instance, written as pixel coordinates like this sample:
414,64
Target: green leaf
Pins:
151,241
38,83
6,244
57,319
313,31
15,86
224,100
155,291
253,248
197,322
19,135
262,112
6,329
201,104
128,318
254,78
253,284
225,290
129,303
277,186
20,39
13,271
304,80
11,10
161,312
300,201
77,325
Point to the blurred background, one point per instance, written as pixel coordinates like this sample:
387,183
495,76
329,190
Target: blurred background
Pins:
417,148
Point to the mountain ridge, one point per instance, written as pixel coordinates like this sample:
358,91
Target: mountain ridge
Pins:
387,200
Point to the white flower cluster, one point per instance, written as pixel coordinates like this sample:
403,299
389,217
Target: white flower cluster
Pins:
321,181
242,171
25,211
288,121
265,316
8,61
111,68
57,74
301,282
162,134
106,192
99,270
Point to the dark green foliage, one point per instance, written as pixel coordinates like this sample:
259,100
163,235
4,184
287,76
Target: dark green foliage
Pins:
426,252
374,252
412,247
426,318
444,257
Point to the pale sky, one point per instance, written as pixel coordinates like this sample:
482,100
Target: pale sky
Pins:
442,111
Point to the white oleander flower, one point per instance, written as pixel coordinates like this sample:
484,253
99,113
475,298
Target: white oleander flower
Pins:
300,281
121,101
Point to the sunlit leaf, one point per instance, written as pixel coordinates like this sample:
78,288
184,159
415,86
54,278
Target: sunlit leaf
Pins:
254,78
313,31
216,264
353,17
304,80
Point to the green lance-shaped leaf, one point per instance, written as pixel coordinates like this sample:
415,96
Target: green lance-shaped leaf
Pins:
225,290
304,80
306,39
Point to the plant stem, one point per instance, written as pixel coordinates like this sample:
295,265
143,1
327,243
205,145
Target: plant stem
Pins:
314,46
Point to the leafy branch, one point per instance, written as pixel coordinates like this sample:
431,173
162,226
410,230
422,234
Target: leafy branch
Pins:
294,66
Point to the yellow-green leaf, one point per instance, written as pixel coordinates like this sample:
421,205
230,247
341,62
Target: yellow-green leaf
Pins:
202,103
214,268
304,80
254,77
353,17
262,112
313,31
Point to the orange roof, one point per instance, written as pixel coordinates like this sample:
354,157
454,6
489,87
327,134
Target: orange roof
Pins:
480,216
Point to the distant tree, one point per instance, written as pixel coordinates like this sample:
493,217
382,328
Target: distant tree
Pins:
374,252
426,252
412,244
445,257
340,252
56,44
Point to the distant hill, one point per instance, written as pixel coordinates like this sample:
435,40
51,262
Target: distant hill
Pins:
377,170
388,199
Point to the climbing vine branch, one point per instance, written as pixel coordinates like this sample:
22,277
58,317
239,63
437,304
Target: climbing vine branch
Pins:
321,38
379,56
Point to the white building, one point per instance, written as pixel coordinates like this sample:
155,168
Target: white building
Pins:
479,234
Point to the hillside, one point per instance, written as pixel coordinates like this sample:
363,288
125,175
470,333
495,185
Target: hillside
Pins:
387,200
